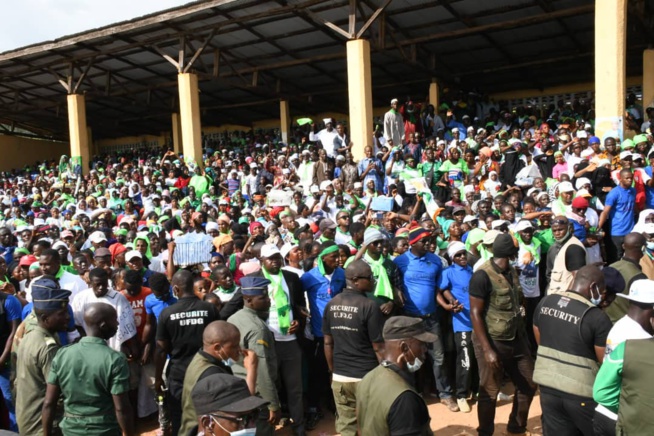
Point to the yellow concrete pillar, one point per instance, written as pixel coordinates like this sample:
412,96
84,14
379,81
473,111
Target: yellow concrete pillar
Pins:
285,119
79,138
177,133
648,78
359,84
189,111
433,94
610,67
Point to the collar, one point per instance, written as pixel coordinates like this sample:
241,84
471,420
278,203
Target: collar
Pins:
631,261
60,273
497,268
93,340
211,359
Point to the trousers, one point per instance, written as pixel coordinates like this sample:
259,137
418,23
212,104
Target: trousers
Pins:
566,416
464,358
437,354
289,362
346,402
514,358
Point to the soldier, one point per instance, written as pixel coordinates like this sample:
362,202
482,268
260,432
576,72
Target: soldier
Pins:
97,403
37,349
255,335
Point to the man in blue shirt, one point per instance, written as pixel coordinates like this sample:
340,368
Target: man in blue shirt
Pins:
453,296
619,209
321,284
421,274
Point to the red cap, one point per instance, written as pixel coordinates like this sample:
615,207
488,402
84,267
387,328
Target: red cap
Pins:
27,260
580,203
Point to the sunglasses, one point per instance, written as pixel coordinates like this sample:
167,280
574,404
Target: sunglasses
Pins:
460,254
563,222
377,242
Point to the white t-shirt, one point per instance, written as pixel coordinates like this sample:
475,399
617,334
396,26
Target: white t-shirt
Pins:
126,324
625,328
67,281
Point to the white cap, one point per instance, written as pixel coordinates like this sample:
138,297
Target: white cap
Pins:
58,244
469,218
324,184
314,189
583,193
269,250
357,185
254,165
641,291
581,181
286,248
490,236
587,153
454,248
211,225
566,187
496,224
132,254
625,154
327,120
532,190
97,237
522,225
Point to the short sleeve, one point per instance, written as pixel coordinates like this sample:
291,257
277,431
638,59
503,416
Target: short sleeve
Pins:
162,331
13,308
480,285
610,198
575,257
53,375
119,375
595,327
148,305
444,282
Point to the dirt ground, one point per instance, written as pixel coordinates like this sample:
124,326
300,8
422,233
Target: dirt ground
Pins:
443,422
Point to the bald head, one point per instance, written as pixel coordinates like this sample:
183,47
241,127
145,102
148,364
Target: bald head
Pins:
358,268
183,281
97,313
633,246
587,275
220,332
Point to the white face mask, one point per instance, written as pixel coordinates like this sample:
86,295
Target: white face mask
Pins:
245,432
416,365
598,300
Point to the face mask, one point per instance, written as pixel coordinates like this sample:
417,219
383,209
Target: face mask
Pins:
650,246
415,366
229,362
598,300
244,432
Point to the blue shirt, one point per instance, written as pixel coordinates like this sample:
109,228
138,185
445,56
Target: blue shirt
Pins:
319,291
456,279
420,276
154,306
649,191
63,336
622,202
375,174
13,308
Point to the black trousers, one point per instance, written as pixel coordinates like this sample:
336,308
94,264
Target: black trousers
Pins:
465,357
319,387
603,425
566,416
515,358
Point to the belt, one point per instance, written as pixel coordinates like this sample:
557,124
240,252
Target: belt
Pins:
70,415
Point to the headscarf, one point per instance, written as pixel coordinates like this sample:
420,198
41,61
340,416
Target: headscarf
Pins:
323,253
640,225
115,250
148,252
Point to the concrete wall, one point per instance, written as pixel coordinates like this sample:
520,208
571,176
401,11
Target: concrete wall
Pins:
16,152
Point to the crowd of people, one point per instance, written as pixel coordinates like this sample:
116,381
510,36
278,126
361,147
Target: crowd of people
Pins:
468,249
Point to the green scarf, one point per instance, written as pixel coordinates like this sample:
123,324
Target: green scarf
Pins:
148,252
232,262
281,300
383,288
533,248
410,173
5,281
325,252
227,291
60,273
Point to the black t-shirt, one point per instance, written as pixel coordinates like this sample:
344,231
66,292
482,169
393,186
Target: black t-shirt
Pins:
182,325
578,340
575,258
408,415
354,322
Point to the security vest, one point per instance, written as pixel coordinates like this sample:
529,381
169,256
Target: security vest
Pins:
628,270
198,365
636,409
502,314
561,279
376,394
558,363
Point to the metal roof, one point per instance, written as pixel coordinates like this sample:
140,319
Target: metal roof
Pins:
258,51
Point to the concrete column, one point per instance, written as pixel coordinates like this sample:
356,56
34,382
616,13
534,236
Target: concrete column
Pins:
285,119
177,133
434,94
648,78
610,67
359,84
189,111
79,137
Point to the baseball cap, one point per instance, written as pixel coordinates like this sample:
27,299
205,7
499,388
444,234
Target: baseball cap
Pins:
132,254
405,327
224,393
270,250
97,237
523,225
458,209
625,155
327,224
566,187
580,203
101,252
490,236
641,291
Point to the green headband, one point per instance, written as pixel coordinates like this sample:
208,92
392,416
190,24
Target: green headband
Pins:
324,253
